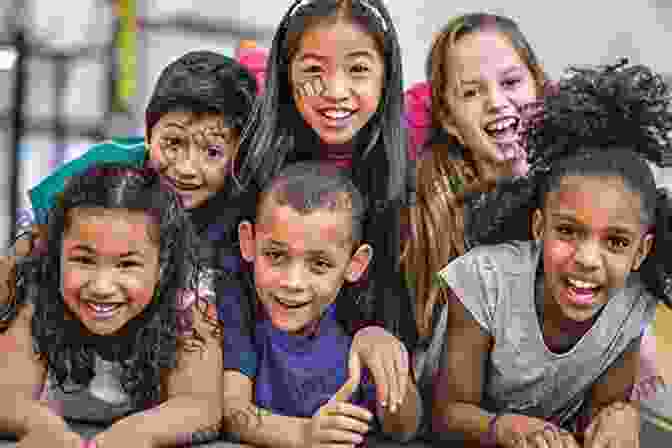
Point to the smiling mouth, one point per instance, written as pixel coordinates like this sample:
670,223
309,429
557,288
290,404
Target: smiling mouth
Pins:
103,309
185,187
336,114
581,292
502,127
290,305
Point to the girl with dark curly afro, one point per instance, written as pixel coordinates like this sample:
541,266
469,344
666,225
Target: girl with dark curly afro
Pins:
554,322
101,324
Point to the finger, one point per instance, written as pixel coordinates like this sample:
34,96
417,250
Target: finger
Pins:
355,368
538,440
380,379
347,410
338,437
589,434
393,384
568,440
345,423
403,372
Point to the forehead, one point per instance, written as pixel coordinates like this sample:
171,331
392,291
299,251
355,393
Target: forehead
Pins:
337,40
109,230
190,120
320,229
599,201
482,54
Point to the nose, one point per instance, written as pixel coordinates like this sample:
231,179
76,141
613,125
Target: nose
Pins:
497,99
102,284
588,254
186,163
336,86
293,280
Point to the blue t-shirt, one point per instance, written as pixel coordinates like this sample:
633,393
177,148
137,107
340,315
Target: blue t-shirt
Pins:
293,375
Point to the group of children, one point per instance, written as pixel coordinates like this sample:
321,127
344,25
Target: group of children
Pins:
280,266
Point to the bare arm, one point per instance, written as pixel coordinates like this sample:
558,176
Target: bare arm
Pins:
193,398
256,426
458,389
23,377
613,411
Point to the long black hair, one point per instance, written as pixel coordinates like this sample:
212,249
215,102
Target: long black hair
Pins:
149,342
609,120
277,135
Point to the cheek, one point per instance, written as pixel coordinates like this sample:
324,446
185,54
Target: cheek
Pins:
157,158
215,174
71,284
140,290
558,256
265,276
371,96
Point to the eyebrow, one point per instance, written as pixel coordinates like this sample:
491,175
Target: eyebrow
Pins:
310,252
508,71
175,124
515,68
90,250
615,229
354,54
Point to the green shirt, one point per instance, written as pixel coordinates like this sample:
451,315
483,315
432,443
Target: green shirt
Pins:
130,150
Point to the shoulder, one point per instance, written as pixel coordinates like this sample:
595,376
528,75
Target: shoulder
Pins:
510,257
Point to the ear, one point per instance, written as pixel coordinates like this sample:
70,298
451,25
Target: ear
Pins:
246,239
643,250
538,224
358,263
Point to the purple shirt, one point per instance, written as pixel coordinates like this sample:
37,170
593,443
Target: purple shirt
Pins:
298,374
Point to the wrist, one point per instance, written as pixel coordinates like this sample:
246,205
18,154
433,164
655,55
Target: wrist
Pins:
490,440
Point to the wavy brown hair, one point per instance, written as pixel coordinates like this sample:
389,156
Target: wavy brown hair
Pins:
446,171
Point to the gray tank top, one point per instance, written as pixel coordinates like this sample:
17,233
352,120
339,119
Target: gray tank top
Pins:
104,400
497,285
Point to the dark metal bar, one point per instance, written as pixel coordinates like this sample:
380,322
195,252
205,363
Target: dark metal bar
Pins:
60,81
203,26
18,125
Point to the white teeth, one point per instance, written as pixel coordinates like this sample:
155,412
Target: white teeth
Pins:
500,125
580,284
337,114
104,308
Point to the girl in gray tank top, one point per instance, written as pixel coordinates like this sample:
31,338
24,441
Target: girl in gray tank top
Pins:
110,324
542,337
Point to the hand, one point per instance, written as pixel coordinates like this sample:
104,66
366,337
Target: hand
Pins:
51,437
338,422
387,360
616,426
519,431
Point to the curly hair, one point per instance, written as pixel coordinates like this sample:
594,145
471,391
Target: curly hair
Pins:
599,120
148,343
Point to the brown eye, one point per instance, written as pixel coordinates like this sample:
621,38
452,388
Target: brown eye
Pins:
618,243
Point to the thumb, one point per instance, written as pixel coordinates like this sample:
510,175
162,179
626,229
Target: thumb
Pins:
345,392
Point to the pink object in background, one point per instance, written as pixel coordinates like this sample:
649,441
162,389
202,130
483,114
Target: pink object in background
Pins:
417,116
254,59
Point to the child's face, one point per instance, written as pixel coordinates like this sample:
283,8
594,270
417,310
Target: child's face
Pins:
300,262
593,237
193,151
109,267
487,83
337,80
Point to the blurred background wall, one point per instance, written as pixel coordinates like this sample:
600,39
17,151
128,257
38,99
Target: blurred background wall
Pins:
87,66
